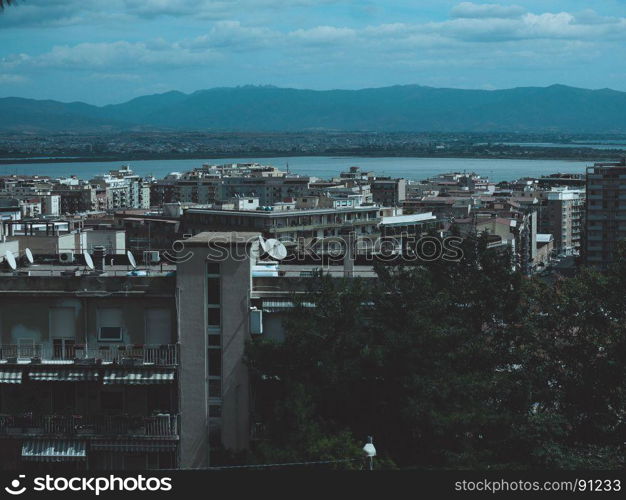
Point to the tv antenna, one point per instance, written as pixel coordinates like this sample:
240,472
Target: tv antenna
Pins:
88,261
131,259
10,258
273,248
29,256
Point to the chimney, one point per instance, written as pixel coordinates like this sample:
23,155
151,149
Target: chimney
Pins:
99,254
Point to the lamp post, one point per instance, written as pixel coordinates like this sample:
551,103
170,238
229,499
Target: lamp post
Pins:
370,452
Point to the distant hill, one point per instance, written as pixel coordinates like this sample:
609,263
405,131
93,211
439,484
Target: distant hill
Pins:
408,108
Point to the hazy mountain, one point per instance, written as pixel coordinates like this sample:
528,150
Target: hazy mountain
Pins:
557,108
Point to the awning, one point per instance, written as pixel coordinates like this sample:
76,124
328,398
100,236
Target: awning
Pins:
130,446
277,305
138,377
10,377
63,375
45,450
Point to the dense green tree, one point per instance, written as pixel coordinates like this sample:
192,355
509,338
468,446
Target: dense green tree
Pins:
452,365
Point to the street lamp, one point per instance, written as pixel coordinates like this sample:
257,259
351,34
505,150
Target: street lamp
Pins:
370,452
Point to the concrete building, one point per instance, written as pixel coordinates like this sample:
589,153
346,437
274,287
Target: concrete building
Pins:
213,293
561,214
285,224
605,216
88,371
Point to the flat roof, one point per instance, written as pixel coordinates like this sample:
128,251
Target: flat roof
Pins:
230,237
277,213
399,220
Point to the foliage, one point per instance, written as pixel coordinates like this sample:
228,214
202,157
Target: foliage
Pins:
451,365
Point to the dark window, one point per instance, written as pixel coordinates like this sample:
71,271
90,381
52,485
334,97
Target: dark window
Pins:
215,388
213,316
111,333
213,290
215,411
215,362
63,348
214,340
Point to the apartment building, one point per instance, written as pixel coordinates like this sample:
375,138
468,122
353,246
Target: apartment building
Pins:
285,224
88,371
605,215
561,214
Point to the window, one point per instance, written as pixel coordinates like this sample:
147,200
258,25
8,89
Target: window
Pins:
215,362
110,333
213,291
215,388
215,411
110,324
213,317
63,348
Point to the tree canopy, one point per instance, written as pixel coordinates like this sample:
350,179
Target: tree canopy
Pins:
450,365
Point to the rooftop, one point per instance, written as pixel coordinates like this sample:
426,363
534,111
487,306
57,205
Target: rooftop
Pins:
230,237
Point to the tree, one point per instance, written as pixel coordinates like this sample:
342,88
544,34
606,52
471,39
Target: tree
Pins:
453,365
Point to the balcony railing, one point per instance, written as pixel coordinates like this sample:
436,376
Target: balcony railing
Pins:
160,425
164,355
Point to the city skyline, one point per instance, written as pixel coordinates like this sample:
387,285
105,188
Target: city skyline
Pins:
102,54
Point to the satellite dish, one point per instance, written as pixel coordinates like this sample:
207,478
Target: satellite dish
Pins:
11,259
131,259
275,249
88,260
263,244
29,256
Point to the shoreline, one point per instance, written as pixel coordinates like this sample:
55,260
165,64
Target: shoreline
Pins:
284,154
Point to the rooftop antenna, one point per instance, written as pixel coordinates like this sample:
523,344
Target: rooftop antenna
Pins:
88,261
131,259
273,248
10,258
29,256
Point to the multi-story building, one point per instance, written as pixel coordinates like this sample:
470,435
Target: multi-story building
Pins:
76,198
288,225
111,369
605,215
388,192
561,214
88,371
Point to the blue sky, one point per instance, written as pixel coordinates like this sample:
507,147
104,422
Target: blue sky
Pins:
104,52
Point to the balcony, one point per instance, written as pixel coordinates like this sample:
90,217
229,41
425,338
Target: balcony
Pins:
159,425
160,355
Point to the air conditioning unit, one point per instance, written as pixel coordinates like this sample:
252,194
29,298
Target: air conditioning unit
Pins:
66,257
256,321
151,256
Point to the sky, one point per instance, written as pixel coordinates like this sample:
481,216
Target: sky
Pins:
105,52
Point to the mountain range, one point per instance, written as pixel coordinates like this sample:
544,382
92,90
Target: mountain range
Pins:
405,108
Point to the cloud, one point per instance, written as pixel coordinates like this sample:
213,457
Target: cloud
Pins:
116,77
469,10
61,13
486,36
321,35
8,79
233,35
